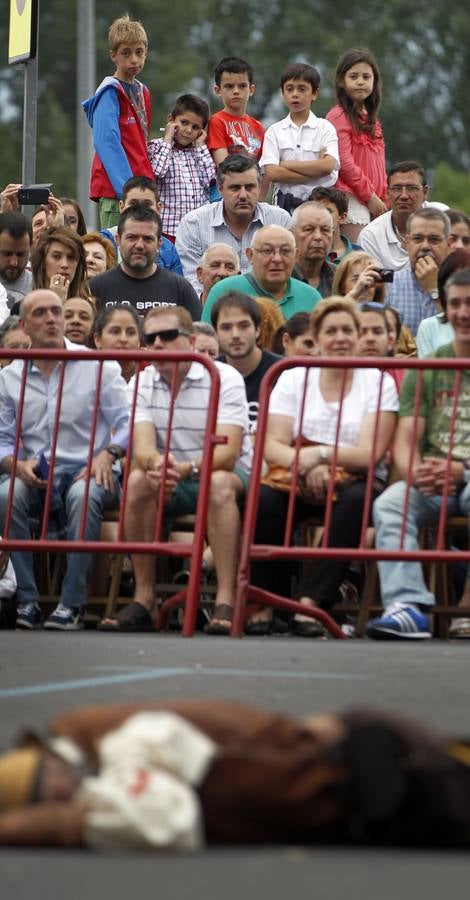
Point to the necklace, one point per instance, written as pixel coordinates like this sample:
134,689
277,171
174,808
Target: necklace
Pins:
400,236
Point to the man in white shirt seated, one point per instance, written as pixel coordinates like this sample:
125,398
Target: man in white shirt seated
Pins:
172,329
43,320
385,237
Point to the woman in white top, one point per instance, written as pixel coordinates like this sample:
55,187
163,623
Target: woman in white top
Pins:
335,326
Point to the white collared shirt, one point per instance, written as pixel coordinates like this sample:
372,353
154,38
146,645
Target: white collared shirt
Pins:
286,140
382,242
190,410
78,400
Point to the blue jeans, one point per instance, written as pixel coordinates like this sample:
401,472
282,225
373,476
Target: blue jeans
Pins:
75,584
404,581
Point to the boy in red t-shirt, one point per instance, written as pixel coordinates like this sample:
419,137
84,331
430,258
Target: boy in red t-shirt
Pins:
231,130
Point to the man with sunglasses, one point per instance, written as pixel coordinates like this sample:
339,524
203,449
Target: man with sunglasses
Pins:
191,381
138,280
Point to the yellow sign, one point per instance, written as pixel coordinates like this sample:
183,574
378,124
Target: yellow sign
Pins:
23,30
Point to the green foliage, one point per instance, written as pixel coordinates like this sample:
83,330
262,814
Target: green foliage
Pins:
422,49
451,187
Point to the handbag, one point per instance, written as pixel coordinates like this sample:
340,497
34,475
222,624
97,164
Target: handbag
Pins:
280,478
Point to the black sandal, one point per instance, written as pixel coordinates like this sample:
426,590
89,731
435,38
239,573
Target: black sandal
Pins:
133,618
224,612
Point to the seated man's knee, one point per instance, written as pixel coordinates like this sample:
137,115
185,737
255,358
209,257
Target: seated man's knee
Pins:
21,496
223,488
138,488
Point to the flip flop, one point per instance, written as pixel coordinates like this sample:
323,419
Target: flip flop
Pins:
134,617
224,612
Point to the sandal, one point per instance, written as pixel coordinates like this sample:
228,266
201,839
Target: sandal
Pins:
134,617
223,613
460,628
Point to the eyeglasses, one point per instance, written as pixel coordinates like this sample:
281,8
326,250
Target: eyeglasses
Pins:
266,252
167,335
409,188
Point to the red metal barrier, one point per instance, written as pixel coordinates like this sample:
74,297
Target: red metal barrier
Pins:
194,549
249,550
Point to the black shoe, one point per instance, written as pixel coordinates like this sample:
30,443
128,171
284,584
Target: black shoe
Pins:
259,627
309,628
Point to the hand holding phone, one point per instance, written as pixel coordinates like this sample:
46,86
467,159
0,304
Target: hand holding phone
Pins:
42,468
34,194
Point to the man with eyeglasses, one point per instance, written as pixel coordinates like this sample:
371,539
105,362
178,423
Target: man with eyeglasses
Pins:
173,330
272,256
413,292
385,238
138,280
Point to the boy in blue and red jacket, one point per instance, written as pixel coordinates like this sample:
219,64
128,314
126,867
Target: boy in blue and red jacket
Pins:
119,114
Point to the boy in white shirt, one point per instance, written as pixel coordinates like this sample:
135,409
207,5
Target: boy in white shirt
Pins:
301,151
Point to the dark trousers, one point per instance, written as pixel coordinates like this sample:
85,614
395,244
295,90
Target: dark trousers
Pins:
322,577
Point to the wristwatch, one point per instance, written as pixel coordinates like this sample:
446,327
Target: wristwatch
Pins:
434,295
195,472
115,451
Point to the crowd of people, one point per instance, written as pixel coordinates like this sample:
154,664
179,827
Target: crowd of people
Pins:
247,246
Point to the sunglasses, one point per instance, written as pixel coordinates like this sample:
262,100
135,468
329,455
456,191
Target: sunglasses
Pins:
166,335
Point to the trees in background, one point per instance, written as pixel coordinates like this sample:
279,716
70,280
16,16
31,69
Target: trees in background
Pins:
422,50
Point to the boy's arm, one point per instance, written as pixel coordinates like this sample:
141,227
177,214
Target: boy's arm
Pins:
271,164
293,171
217,139
159,152
205,165
282,175
311,168
219,155
107,141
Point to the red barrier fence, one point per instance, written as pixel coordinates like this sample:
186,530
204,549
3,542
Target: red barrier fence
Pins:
159,546
251,551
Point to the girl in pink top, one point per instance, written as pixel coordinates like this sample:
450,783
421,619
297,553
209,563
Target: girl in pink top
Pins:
362,173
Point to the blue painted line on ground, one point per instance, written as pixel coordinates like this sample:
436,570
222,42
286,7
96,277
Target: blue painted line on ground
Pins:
127,677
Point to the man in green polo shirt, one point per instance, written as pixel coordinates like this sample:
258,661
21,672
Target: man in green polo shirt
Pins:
272,256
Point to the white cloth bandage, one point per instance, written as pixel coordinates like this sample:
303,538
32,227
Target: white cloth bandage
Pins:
143,795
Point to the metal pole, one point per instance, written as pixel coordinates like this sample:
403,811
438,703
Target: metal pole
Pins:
86,84
30,112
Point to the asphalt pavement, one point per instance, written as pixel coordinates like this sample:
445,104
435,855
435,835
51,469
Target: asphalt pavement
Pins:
43,674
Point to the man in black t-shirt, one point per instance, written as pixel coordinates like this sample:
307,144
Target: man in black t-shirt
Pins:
137,281
236,318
